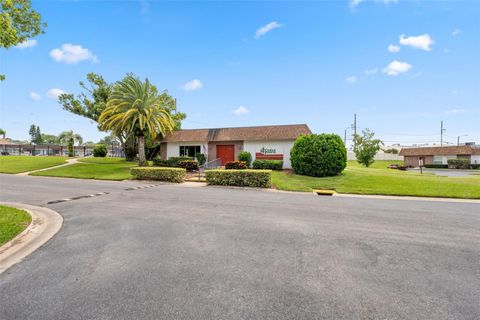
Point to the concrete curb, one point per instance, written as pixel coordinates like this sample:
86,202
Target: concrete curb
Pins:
45,224
69,162
406,198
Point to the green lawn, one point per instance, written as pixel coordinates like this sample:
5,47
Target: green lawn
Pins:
12,222
17,164
379,180
93,168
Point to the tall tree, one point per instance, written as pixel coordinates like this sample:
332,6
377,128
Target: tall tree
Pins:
93,101
50,138
135,107
18,23
38,136
32,132
67,137
3,133
366,147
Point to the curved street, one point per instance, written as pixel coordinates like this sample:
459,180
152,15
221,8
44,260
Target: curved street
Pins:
178,252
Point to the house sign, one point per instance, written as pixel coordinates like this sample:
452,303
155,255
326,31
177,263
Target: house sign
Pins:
268,150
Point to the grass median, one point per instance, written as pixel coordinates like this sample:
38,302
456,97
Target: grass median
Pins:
12,222
93,168
18,164
379,180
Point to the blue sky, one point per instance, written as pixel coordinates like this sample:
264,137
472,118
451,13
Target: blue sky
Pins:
402,66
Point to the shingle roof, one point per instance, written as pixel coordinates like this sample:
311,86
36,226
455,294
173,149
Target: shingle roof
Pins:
280,132
438,151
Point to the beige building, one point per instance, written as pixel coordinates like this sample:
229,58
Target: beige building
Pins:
224,144
440,154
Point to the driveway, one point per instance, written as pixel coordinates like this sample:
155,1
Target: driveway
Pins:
176,252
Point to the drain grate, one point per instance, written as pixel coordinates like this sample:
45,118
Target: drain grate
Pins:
78,197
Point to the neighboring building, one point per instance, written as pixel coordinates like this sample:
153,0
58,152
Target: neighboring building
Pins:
263,142
440,154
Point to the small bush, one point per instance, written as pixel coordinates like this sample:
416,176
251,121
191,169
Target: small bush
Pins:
158,173
475,165
240,178
268,164
319,155
100,150
458,163
189,165
236,165
201,158
171,162
246,157
436,166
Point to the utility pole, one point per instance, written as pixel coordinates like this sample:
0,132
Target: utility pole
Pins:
354,127
458,138
345,138
442,130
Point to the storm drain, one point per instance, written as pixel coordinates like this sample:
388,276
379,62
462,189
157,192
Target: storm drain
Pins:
78,198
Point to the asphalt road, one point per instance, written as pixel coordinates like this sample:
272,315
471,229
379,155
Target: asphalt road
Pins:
173,252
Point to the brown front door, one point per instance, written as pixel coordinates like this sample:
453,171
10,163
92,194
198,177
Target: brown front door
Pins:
226,152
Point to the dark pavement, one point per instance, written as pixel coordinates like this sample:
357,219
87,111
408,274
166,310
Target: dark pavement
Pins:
176,252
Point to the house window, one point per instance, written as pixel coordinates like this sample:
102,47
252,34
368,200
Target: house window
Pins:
437,159
189,151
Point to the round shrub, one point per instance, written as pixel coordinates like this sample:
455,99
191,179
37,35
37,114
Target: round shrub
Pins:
189,165
100,150
238,165
318,155
246,157
201,158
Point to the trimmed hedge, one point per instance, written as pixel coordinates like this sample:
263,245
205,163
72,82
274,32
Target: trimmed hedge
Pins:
458,163
100,150
189,165
239,165
268,164
319,155
475,166
158,173
171,162
240,178
436,166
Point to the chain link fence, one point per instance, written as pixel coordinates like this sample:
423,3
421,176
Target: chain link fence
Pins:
54,150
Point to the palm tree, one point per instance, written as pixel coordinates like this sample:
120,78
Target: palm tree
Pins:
3,133
67,137
135,107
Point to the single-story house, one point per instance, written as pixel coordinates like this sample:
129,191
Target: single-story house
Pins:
224,144
440,154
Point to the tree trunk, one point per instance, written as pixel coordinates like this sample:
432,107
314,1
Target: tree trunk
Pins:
142,161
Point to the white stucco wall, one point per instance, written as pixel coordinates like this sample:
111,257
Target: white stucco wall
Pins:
281,147
475,159
173,148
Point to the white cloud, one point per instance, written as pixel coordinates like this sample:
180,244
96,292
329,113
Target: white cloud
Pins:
54,93
241,110
354,3
351,79
371,71
192,85
34,96
267,28
27,44
395,68
393,48
455,111
423,41
456,32
71,53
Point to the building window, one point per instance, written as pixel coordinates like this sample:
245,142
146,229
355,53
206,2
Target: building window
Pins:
189,151
437,159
